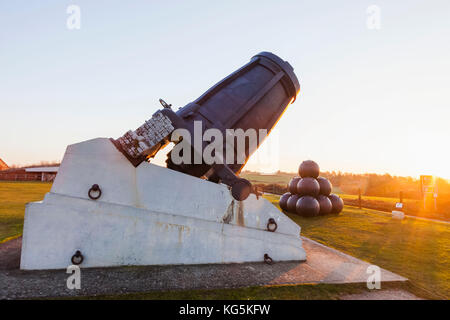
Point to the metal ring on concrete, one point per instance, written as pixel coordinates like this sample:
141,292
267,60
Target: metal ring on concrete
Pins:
267,259
272,223
95,188
77,258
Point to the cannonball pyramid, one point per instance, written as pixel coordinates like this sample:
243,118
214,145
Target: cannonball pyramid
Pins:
310,195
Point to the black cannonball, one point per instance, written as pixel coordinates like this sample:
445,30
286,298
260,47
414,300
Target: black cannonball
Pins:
325,186
308,168
337,203
293,185
283,201
307,206
325,204
292,203
308,187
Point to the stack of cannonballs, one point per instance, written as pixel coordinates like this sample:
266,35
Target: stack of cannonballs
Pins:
310,195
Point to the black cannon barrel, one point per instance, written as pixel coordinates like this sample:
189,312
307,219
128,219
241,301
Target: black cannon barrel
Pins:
253,97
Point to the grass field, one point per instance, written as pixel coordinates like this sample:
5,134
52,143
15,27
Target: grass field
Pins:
416,249
411,206
13,197
286,292
282,178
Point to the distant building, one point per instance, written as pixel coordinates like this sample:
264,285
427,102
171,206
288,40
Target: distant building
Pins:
3,165
30,174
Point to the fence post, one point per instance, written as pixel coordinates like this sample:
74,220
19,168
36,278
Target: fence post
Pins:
359,198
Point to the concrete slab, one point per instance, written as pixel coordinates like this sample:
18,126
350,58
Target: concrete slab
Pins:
338,267
324,265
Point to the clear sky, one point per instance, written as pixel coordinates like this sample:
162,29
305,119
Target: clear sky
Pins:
371,100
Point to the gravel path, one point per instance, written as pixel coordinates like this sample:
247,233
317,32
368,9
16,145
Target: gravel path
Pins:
388,294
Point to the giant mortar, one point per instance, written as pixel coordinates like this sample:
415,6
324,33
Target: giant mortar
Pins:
109,207
253,97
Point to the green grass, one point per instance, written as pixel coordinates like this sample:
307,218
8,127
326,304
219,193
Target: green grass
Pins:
416,249
412,206
282,179
13,197
287,292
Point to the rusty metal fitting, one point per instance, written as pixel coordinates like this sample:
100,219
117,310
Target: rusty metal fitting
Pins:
267,259
95,188
272,225
77,258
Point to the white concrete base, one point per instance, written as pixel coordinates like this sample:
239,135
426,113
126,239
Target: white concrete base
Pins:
146,216
398,214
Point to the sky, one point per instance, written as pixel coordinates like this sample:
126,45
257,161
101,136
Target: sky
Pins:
371,100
